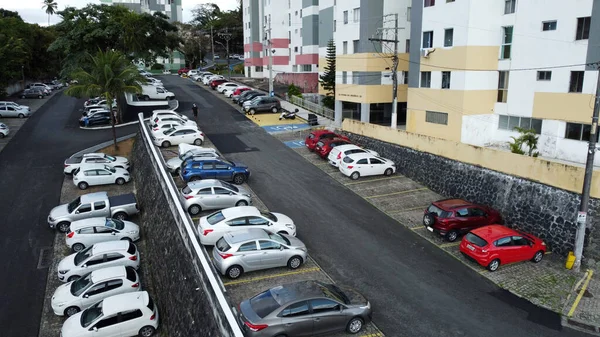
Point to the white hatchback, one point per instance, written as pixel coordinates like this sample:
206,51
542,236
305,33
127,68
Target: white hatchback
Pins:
131,314
72,297
4,130
99,174
159,113
365,164
179,135
227,85
98,256
212,227
86,232
339,152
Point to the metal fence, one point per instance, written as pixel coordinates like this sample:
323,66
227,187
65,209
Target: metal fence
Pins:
313,107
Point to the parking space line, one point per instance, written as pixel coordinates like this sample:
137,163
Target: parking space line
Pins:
376,334
415,228
408,209
449,244
368,181
581,292
397,193
254,279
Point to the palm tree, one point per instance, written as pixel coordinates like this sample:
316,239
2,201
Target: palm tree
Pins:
110,75
50,7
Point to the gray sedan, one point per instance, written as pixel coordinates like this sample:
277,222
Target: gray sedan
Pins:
305,308
255,249
209,194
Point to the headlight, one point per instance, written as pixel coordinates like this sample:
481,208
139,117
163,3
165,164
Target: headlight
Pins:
61,304
304,249
291,226
50,218
126,174
368,306
132,232
159,139
247,195
63,271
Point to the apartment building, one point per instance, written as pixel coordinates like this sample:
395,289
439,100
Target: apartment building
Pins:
478,69
171,8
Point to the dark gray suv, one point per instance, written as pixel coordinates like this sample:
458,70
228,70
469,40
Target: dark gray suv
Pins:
262,104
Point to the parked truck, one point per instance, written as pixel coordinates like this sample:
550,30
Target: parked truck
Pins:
159,93
92,205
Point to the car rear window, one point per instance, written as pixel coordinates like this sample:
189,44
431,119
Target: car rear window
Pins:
186,190
348,160
438,211
215,218
476,240
131,276
222,245
320,144
150,304
264,304
311,136
131,250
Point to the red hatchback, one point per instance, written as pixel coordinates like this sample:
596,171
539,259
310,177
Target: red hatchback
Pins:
314,137
182,70
452,217
215,83
324,146
239,91
493,245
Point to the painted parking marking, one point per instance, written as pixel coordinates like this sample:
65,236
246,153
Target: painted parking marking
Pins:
397,193
285,127
294,144
254,279
415,228
581,292
408,209
449,244
368,181
376,334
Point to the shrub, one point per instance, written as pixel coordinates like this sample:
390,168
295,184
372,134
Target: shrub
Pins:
294,91
157,66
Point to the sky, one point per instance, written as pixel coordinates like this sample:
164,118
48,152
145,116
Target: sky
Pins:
31,10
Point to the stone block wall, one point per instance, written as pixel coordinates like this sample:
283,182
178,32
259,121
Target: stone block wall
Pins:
542,210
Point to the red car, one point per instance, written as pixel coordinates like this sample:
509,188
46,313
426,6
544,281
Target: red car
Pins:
493,245
324,146
215,83
452,217
182,70
314,137
239,91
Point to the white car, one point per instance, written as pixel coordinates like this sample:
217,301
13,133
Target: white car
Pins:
164,126
73,163
166,72
212,227
87,232
160,113
174,119
210,78
174,164
14,111
339,152
228,92
145,73
179,135
365,164
16,105
4,130
98,256
193,72
130,314
226,85
72,297
99,174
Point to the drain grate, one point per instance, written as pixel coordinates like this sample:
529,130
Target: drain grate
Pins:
45,258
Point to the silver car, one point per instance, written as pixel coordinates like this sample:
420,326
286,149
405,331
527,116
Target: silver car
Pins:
256,249
305,308
209,194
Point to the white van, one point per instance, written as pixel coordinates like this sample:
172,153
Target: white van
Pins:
152,92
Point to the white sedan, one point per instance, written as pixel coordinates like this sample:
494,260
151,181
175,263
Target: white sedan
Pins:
212,227
226,85
365,164
99,174
87,232
14,111
164,126
72,297
161,113
339,152
4,130
179,135
174,119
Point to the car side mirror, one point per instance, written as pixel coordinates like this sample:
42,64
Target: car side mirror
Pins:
86,296
113,233
281,247
95,329
76,212
230,193
84,266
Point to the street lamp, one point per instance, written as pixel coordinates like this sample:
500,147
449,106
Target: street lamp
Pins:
23,74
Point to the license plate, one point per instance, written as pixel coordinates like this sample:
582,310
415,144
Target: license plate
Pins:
430,229
471,247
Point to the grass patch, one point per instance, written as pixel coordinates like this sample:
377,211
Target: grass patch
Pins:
125,148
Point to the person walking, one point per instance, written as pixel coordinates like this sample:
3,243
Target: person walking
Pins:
195,111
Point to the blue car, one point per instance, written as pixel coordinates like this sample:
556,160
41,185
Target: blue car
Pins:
198,168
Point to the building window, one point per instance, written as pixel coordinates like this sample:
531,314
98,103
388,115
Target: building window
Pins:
356,14
345,47
289,3
583,28
295,68
544,75
296,13
300,13
344,77
578,131
334,25
345,17
258,68
445,80
576,83
289,37
502,86
300,32
511,122
296,49
408,14
448,37
429,3
549,25
408,45
510,6
506,42
447,1
405,78
355,44
428,39
436,117
307,67
426,79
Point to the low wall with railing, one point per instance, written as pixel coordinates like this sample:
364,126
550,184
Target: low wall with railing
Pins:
313,107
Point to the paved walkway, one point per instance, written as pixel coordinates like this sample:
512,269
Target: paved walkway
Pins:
582,309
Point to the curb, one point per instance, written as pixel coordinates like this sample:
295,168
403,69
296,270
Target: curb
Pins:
102,145
575,324
110,126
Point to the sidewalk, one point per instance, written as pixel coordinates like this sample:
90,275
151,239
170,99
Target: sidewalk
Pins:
582,308
303,113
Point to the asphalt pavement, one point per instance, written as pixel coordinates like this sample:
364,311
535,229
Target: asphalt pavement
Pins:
416,289
31,175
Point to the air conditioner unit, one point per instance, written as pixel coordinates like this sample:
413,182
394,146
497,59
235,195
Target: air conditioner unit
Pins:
426,51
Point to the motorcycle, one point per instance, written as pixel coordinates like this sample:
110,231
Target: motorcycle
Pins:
288,115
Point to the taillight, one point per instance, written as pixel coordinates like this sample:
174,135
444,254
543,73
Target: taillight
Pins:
133,258
256,327
155,129
339,156
152,317
350,167
67,165
225,255
185,172
70,235
188,197
206,231
135,285
201,134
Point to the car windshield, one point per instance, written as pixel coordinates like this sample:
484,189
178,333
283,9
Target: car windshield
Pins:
265,303
114,223
81,285
83,255
333,292
348,160
186,190
279,238
476,240
169,131
111,158
215,218
89,315
269,216
229,186
111,169
439,212
73,205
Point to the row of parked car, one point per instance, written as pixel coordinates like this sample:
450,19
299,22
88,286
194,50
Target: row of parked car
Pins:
41,90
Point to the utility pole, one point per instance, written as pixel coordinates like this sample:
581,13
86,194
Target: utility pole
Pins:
227,37
270,53
212,42
587,181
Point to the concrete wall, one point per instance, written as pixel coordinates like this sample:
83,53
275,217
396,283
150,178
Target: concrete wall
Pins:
525,202
307,82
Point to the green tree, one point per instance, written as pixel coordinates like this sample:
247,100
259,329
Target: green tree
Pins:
109,74
207,16
50,7
526,137
294,91
327,80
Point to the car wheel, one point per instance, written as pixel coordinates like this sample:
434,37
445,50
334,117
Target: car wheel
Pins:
294,262
23,96
176,172
388,172
21,116
120,181
77,247
70,311
166,144
73,278
120,216
234,272
355,175
493,266
428,220
40,96
355,325
195,178
275,110
147,331
1,134
239,179
241,203
452,236
252,111
82,185
63,227
198,142
538,257
195,209
145,98
126,239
